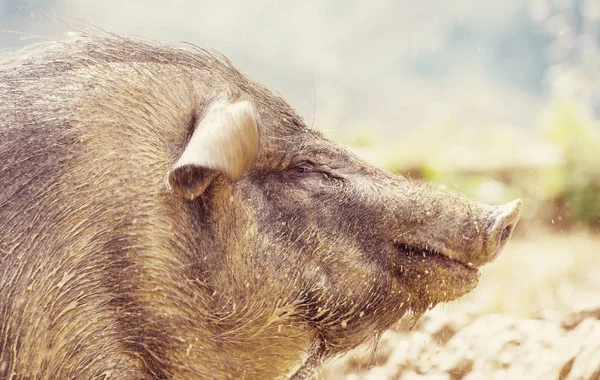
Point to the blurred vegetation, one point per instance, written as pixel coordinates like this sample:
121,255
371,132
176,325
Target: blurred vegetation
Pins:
554,168
577,179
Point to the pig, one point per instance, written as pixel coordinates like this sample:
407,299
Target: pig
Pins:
164,216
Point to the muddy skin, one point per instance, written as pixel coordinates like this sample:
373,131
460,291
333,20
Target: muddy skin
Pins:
164,216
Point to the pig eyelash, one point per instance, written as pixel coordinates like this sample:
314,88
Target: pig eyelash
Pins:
304,167
307,167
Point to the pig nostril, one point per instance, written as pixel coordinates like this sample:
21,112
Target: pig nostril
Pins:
505,233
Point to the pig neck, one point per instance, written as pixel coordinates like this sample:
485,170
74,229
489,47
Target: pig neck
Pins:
192,331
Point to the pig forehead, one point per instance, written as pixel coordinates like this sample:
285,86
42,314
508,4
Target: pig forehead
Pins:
281,150
280,137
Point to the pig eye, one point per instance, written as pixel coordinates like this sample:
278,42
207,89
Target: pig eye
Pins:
304,167
309,168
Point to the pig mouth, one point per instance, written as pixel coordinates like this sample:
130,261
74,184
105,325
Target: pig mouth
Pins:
415,252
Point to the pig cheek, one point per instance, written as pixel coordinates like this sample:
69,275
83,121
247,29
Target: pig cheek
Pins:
360,308
346,293
332,258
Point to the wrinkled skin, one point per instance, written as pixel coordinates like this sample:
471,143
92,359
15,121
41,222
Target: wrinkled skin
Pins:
104,270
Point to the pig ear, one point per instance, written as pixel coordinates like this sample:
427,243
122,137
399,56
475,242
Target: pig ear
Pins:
225,142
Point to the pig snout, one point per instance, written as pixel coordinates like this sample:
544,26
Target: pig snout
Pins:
503,221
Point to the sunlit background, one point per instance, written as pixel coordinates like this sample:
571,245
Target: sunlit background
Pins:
498,99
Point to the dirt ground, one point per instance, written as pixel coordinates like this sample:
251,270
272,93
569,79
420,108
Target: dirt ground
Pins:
534,315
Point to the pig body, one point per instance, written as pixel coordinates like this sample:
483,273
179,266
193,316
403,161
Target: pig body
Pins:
164,216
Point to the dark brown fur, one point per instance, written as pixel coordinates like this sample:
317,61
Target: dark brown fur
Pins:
106,272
